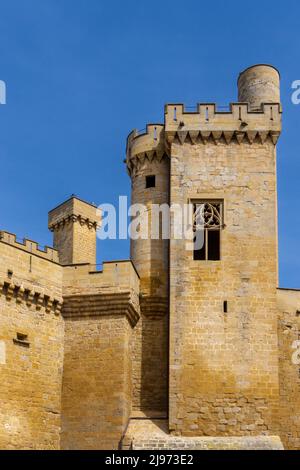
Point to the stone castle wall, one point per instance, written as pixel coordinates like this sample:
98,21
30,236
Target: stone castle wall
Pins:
223,366
143,353
67,372
31,364
146,156
100,310
97,382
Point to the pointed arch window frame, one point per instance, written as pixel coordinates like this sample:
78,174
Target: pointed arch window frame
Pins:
208,215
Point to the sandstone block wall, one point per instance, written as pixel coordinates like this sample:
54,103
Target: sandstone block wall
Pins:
86,355
146,156
289,366
96,383
208,443
100,311
150,365
145,434
224,366
30,364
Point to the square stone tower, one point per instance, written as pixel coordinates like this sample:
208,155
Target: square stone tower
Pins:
223,314
74,224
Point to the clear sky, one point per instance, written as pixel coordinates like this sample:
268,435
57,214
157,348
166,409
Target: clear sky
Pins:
81,74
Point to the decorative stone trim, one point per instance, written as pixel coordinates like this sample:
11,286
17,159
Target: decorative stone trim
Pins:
23,294
154,306
240,124
72,219
76,306
217,137
136,162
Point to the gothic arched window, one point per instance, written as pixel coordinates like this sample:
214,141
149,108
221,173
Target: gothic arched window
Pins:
207,225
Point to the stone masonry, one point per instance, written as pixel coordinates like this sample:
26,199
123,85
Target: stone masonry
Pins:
170,349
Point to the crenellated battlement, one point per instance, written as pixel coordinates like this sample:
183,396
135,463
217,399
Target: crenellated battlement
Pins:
207,123
142,141
113,275
208,114
29,246
114,288
239,123
149,144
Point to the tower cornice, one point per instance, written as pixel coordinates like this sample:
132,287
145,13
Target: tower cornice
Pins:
239,124
72,218
145,146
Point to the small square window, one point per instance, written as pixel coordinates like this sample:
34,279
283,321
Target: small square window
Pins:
22,340
150,181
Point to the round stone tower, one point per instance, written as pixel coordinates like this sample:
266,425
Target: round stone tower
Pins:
149,168
259,84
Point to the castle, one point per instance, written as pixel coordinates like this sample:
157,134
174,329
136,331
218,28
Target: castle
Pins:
173,348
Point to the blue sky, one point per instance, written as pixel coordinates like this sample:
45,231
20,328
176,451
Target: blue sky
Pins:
81,74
